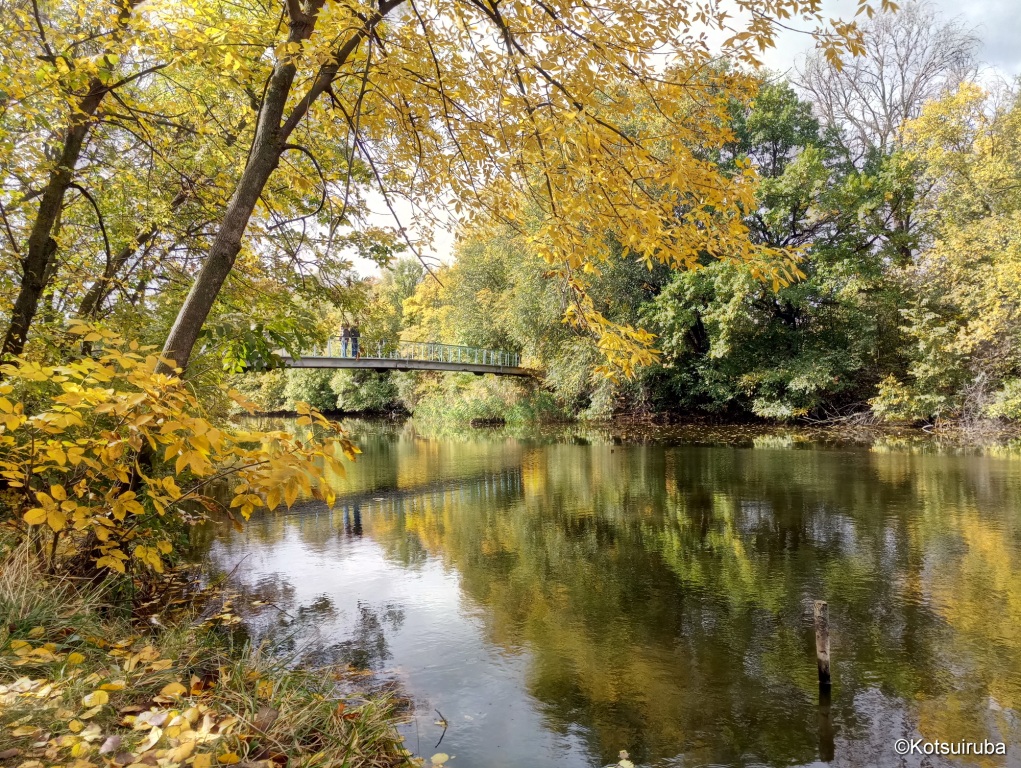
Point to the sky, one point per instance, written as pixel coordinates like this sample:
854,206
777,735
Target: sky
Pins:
997,24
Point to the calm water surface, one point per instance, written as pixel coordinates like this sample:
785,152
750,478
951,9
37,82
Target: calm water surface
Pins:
559,599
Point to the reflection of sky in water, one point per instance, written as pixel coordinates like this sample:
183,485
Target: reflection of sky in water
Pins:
438,653
560,602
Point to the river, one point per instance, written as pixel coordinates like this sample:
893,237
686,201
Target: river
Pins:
562,595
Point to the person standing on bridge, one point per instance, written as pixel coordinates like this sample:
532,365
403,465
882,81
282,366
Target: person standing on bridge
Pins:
355,335
345,340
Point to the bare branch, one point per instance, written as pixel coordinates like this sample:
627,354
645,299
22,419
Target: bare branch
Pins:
136,75
911,57
48,52
10,234
322,178
329,72
102,226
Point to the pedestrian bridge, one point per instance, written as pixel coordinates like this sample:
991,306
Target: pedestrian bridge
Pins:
409,356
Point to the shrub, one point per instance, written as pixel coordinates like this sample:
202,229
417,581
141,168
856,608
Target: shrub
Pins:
309,385
359,390
102,458
264,388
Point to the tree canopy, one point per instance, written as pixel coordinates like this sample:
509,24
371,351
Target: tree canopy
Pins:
243,135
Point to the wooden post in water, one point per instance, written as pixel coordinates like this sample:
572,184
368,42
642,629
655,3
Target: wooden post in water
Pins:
822,641
827,740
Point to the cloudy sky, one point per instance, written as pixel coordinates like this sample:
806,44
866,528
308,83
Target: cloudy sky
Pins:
997,23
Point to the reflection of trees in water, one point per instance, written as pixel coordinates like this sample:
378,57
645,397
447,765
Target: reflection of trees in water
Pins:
664,594
367,648
282,628
271,589
294,631
395,459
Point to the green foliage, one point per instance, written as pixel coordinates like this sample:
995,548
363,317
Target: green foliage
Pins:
243,343
728,343
266,389
937,374
1006,402
462,398
964,331
498,295
458,398
731,346
361,390
309,385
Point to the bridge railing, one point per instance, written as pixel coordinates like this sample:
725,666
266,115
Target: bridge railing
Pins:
414,350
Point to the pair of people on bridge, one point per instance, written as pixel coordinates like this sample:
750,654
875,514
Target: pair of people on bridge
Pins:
349,337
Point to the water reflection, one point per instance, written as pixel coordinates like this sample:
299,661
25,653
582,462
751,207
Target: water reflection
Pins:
560,601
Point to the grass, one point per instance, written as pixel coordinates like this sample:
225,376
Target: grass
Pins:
81,685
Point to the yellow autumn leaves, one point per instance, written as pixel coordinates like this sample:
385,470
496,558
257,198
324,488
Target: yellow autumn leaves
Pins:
99,726
96,699
964,325
112,455
130,715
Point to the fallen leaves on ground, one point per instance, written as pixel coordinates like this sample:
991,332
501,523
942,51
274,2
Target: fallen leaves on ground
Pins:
171,731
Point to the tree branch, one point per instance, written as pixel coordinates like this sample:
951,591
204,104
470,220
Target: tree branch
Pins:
102,227
49,56
142,73
322,178
329,72
10,234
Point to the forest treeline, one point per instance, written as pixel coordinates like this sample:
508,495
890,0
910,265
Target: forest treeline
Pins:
896,179
184,187
834,242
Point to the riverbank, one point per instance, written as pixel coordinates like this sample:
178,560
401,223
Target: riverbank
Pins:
644,428
87,680
945,434
466,399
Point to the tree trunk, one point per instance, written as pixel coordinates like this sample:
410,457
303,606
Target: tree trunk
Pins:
270,140
36,265
262,161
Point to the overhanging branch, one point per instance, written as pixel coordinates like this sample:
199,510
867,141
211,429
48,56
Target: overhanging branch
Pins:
102,226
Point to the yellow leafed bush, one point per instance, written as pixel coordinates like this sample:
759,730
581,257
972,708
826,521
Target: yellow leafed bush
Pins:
102,458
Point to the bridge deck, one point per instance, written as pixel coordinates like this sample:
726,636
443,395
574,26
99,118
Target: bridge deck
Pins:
397,364
410,356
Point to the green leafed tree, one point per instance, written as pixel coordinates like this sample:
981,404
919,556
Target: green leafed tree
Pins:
965,350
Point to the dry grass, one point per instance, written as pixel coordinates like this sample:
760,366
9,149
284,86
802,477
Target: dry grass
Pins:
79,688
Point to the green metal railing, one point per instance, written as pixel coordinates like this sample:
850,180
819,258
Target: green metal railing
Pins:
414,350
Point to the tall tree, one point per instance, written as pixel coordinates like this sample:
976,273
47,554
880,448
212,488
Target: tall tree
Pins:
505,106
965,350
80,74
155,163
815,348
911,57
